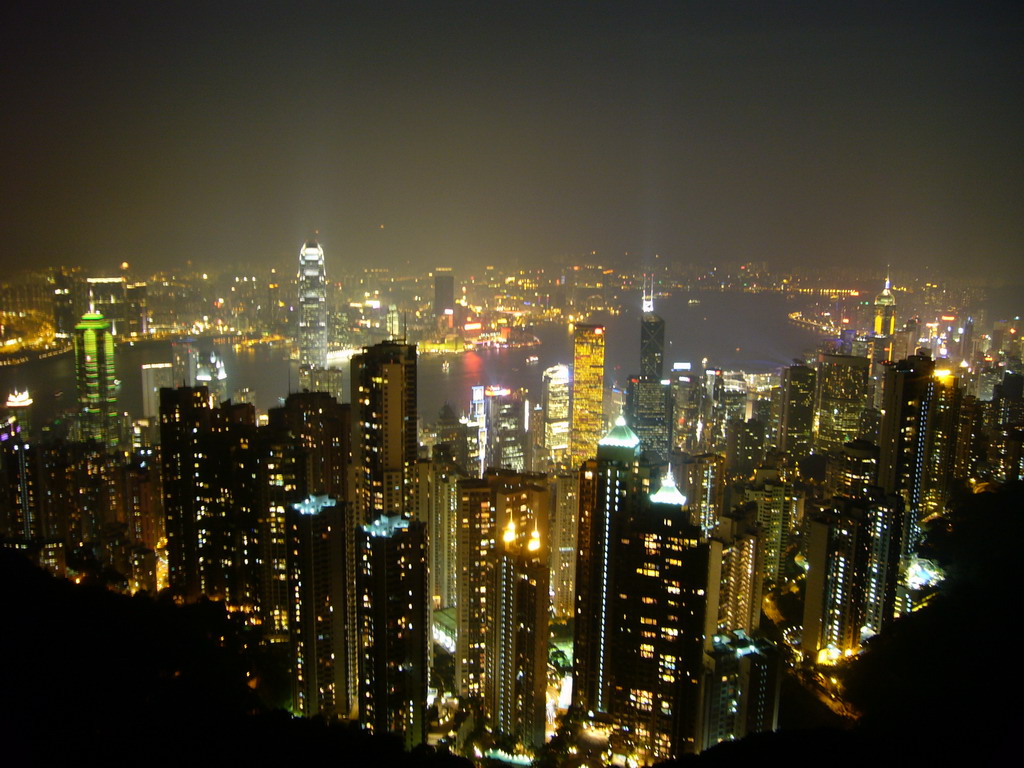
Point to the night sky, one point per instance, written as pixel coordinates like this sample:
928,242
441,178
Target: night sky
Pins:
487,132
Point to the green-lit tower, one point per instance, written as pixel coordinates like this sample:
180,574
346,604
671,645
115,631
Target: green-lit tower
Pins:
94,368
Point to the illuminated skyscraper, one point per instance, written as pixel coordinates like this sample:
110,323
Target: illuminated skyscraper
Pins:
518,645
587,392
312,296
607,484
797,423
316,581
652,338
393,628
384,439
841,396
917,439
555,381
94,367
885,311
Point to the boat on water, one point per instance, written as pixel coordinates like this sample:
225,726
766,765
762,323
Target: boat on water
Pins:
532,360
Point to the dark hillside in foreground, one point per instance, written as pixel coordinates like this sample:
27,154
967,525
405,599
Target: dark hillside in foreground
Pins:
91,676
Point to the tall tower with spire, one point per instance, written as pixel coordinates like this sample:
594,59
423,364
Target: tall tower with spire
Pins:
312,295
885,311
652,336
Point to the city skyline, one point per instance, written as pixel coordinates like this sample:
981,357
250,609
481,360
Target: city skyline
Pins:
422,133
663,374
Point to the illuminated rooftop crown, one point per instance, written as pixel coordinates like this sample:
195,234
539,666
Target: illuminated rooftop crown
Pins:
885,298
620,436
668,493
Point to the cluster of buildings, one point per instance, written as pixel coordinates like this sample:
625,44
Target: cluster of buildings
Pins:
654,525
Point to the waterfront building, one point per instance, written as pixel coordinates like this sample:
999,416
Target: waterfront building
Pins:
885,311
444,294
329,380
107,297
505,421
97,385
312,300
587,392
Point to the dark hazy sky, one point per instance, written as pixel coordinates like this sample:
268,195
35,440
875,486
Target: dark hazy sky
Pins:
221,130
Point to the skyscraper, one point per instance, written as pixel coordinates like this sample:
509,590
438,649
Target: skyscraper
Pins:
316,581
444,292
518,651
184,413
312,279
94,368
918,438
842,395
607,483
797,423
587,392
393,628
384,439
555,383
652,338
885,311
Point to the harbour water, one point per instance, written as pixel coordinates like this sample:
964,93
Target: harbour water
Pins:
750,332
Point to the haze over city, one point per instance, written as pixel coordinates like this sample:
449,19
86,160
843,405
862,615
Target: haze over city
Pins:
507,383
477,133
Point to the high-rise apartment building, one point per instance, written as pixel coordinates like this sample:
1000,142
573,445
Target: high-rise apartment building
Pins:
853,555
316,585
94,369
322,426
485,506
312,300
779,508
917,439
385,442
518,645
587,392
184,413
393,628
